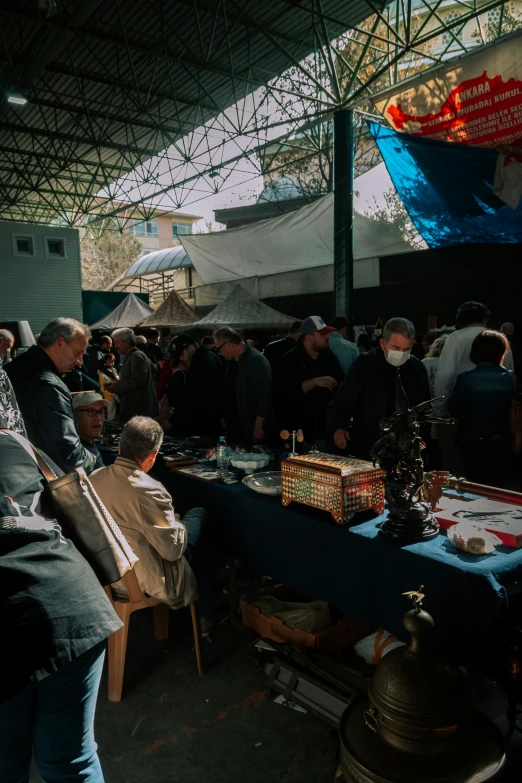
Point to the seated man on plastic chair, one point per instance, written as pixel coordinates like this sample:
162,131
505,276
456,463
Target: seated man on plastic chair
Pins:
165,545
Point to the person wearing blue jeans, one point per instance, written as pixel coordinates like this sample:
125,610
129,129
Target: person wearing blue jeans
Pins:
197,554
55,621
54,720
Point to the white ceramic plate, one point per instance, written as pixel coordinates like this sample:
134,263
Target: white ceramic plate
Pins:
266,483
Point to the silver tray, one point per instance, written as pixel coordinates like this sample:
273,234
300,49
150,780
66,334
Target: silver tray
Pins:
266,483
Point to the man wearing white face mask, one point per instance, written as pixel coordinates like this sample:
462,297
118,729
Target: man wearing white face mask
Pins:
368,393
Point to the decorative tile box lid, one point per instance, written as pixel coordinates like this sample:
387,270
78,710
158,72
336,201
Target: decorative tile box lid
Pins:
340,485
349,470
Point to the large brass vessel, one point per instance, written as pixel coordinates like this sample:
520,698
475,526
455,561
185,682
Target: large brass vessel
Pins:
417,724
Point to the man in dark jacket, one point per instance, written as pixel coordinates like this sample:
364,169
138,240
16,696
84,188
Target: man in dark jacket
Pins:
368,393
194,389
277,349
135,388
44,399
95,354
306,379
253,385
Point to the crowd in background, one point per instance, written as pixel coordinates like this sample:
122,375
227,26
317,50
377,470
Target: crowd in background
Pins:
314,378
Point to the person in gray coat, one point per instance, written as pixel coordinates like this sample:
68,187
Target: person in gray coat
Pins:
135,388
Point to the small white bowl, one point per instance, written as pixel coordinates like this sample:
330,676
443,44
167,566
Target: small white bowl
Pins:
249,462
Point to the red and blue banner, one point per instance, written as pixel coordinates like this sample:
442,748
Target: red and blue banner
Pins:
473,101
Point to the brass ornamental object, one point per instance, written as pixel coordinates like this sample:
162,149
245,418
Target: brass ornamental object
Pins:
399,453
417,724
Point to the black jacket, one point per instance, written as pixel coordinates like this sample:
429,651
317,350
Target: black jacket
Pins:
481,401
368,394
277,349
195,394
249,381
52,606
296,410
46,406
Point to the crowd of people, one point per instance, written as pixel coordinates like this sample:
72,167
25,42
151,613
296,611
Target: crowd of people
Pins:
312,379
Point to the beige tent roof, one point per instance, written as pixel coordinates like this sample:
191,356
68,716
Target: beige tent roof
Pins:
241,310
128,313
174,311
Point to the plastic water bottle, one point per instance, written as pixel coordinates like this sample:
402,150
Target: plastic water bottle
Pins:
222,457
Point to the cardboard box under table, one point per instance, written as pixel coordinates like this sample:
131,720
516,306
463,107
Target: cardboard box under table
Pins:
340,485
340,631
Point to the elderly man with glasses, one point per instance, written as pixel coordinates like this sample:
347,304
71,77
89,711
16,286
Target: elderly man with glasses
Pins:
89,409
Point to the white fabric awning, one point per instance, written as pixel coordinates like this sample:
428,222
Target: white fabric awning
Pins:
298,240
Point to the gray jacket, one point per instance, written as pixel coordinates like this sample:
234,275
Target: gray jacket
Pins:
136,388
254,392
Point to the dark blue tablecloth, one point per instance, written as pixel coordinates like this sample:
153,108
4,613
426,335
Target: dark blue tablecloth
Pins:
355,569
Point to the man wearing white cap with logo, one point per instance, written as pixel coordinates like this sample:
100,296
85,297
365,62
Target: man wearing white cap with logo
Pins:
89,409
307,377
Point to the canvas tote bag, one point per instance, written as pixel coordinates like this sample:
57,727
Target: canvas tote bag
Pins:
85,520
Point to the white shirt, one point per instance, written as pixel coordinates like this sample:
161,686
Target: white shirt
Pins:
454,360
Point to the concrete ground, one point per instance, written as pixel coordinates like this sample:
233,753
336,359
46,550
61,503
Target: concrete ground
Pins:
175,726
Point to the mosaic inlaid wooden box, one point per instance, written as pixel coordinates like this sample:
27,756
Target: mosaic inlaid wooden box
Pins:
340,485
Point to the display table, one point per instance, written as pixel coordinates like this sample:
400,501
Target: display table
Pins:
355,569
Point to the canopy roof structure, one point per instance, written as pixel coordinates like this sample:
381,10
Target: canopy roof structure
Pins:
241,310
153,273
106,105
128,313
174,311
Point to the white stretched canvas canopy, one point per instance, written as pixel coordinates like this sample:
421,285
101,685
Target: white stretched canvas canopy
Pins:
297,240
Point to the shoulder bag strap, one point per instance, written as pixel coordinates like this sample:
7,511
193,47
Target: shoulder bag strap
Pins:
47,471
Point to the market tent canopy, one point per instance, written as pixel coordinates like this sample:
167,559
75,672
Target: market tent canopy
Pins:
174,311
241,310
129,313
302,239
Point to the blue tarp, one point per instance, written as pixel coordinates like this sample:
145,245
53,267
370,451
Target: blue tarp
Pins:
447,189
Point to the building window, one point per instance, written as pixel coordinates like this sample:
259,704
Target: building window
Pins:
54,247
23,245
148,228
181,228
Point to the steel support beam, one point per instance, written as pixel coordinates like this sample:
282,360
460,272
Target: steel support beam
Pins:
343,212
